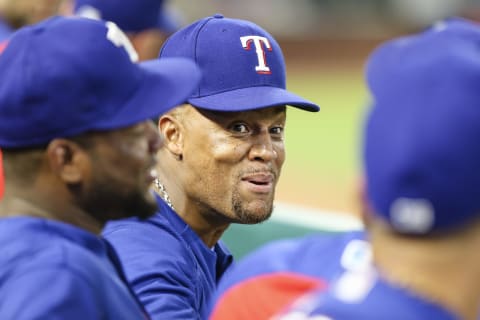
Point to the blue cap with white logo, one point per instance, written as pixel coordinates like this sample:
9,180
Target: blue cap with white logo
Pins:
421,148
66,76
242,65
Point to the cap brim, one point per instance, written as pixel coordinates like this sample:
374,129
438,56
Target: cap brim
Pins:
166,83
252,98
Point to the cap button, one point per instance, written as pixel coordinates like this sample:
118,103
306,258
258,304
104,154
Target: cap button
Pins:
218,16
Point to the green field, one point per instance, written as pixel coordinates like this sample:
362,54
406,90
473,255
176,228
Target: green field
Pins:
323,158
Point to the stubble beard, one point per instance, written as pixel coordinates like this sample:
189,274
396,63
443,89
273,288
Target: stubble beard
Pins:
244,215
106,202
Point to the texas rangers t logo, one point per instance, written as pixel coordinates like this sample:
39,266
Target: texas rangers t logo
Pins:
120,39
257,41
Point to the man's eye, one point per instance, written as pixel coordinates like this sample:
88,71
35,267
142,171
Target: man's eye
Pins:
239,128
276,130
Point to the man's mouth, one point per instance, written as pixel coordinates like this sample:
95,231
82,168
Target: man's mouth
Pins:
260,182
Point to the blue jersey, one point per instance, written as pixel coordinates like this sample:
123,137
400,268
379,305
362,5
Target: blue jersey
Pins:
170,268
284,270
365,296
53,270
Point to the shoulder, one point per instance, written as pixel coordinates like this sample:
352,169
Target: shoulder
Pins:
50,265
302,255
150,249
49,253
143,235
365,296
64,293
326,243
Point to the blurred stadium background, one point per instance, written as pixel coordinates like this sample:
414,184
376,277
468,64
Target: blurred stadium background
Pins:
326,43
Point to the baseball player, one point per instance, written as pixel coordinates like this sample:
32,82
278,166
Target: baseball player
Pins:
78,149
422,186
221,160
146,22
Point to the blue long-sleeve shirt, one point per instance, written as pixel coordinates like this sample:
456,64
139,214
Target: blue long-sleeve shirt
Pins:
169,267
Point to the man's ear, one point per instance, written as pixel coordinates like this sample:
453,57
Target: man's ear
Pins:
171,130
67,160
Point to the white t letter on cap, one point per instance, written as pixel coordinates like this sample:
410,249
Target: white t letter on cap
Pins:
120,39
262,67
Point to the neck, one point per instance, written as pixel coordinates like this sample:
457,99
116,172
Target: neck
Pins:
47,208
441,269
209,236
209,233
199,220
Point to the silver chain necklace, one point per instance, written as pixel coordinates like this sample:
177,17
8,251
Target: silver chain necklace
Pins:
162,191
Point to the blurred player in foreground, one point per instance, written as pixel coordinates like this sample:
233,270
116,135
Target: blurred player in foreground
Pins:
282,271
146,22
79,149
15,14
222,157
422,190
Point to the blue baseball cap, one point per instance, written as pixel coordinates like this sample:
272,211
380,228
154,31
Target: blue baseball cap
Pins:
242,65
129,15
421,150
66,76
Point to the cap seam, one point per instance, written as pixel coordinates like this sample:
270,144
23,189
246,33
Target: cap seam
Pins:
198,34
196,42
